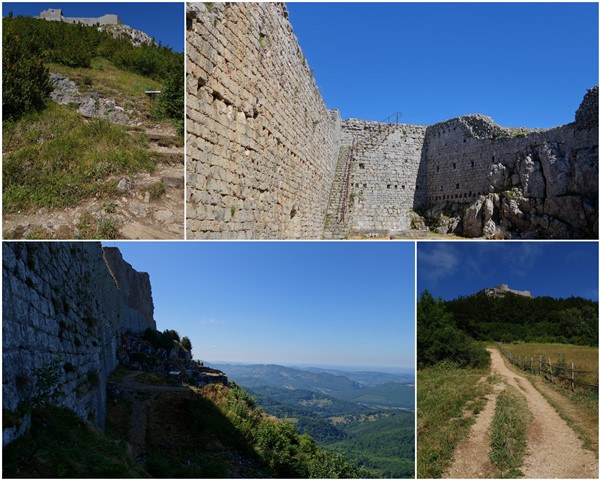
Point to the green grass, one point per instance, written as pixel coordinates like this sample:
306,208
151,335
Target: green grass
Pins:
447,400
103,77
57,159
61,445
508,433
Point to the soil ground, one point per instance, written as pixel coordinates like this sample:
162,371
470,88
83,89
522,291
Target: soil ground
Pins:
554,450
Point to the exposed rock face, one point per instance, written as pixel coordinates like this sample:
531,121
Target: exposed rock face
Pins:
90,105
502,289
137,37
62,304
137,307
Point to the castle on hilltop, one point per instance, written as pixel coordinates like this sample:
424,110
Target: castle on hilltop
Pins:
266,158
56,15
502,289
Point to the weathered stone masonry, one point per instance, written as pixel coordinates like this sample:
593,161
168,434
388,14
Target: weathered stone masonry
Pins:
266,159
68,302
262,147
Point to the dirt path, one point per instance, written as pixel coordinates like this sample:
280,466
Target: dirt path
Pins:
471,455
141,396
554,450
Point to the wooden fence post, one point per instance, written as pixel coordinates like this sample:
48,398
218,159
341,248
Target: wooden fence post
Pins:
531,364
550,366
572,376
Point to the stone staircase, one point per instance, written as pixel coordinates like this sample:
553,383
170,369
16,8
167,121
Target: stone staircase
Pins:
340,203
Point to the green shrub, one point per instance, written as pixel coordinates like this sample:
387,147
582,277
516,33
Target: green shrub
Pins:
25,80
439,339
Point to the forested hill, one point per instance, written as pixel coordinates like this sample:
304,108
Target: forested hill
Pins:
519,318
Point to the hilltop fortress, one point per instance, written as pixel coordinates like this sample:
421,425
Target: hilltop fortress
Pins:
267,159
56,14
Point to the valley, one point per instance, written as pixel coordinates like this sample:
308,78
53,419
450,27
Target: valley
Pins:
366,416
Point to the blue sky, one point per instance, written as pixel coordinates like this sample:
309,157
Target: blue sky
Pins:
344,304
555,269
523,64
163,21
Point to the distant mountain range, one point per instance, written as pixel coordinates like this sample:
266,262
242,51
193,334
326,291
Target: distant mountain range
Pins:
375,389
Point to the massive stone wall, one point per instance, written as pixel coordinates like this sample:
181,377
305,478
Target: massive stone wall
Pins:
62,304
383,181
266,159
538,184
262,146
136,308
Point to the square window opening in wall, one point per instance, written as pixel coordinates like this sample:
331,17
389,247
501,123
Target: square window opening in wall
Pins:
403,187
389,186
361,166
396,187
364,185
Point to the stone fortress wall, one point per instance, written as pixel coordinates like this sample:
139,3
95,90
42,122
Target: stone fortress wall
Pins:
262,146
266,159
67,298
56,14
383,184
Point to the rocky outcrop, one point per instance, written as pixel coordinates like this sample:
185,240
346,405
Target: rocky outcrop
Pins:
90,105
137,353
136,37
63,315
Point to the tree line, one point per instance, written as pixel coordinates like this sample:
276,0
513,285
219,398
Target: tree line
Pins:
450,331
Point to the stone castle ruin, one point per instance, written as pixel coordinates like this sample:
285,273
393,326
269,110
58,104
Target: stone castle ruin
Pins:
56,15
68,303
267,159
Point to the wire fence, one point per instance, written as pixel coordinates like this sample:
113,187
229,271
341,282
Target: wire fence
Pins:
560,371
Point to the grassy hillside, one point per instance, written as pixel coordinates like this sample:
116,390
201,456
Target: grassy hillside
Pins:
56,159
63,159
60,444
211,432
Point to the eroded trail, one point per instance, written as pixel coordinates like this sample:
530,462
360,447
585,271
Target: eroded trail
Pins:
471,455
554,450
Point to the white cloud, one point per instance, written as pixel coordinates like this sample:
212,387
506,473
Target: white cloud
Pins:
437,261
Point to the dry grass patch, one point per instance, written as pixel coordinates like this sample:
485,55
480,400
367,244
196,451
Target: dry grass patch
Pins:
447,400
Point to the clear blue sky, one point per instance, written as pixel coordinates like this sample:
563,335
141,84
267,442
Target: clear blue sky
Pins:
555,269
344,304
523,64
163,21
